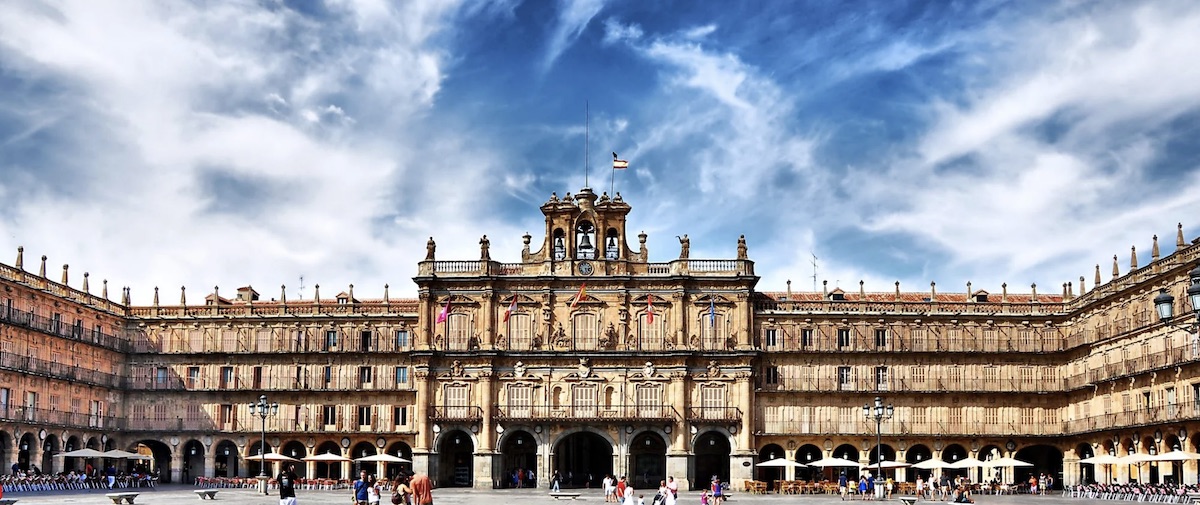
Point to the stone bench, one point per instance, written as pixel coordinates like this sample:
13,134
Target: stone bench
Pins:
117,497
908,500
564,496
206,493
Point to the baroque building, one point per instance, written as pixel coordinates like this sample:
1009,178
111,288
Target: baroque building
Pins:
586,358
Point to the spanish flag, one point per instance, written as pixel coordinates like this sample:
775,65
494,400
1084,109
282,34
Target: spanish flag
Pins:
579,296
512,307
619,164
649,309
445,312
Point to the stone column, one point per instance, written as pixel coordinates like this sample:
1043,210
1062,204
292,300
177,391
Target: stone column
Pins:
487,339
421,416
677,453
210,461
486,402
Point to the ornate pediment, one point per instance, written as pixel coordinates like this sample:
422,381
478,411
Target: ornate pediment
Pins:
714,373
457,371
521,373
715,299
521,300
458,301
585,300
585,373
648,373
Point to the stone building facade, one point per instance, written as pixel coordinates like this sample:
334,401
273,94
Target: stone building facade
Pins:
586,358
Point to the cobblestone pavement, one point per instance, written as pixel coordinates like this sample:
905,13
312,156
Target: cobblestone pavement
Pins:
179,495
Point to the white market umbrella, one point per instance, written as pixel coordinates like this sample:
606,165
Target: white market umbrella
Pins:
887,465
931,464
119,454
1175,456
327,457
382,458
270,456
1103,459
1134,459
967,462
1006,461
834,462
81,453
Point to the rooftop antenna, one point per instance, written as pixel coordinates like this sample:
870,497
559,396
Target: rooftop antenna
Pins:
814,275
300,291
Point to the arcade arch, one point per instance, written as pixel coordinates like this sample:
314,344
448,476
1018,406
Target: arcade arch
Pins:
455,455
712,452
582,457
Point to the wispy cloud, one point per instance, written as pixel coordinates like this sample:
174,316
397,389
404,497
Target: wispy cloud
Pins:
572,18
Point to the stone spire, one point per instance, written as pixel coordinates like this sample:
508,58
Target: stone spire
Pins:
1179,237
1004,293
1096,281
1065,295
824,289
897,291
104,289
1033,287
932,291
317,294
156,296
969,297
862,293
282,293
385,294
351,293
85,283
125,296
789,289
42,269
183,296
1082,286
1071,289
1116,271
1132,258
20,257
1154,249
64,276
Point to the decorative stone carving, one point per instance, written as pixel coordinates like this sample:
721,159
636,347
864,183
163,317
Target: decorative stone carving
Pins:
456,368
437,342
714,370
741,248
560,337
430,249
501,342
685,246
536,342
648,370
519,369
694,342
609,338
585,367
484,246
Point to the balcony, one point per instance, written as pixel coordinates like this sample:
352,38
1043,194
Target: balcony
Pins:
56,370
60,329
47,417
444,413
715,414
349,383
587,413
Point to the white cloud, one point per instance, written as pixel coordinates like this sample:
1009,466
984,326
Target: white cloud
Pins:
699,32
573,17
617,32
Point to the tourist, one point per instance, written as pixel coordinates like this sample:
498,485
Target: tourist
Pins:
422,489
360,488
673,487
554,481
287,485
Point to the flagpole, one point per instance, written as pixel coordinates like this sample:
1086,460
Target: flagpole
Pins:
612,182
587,145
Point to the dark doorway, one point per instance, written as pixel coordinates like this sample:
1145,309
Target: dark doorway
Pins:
456,452
806,455
712,458
226,460
160,463
193,461
647,460
847,452
402,450
328,469
951,454
770,474
583,458
1045,459
519,456
917,454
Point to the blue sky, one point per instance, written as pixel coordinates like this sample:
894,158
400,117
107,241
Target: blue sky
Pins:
234,143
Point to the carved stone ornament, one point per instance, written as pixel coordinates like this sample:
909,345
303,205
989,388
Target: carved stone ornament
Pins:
585,367
536,343
519,369
501,342
456,368
560,337
714,370
648,370
609,338
694,341
437,342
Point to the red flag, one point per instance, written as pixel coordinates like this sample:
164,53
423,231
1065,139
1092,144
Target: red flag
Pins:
445,312
512,307
649,309
580,295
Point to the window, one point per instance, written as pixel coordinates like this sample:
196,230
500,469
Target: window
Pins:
364,416
560,248
991,415
1171,410
258,377
328,376
364,376
227,377
225,417
771,375
584,326
651,337
5,394
95,411
611,250
329,415
806,337
881,335
56,323
843,337
520,401
402,376
649,400
364,340
399,416
843,377
771,337
583,400
585,241
712,401
331,340
401,339
458,400
160,376
458,331
881,378
919,415
520,332
1146,400
193,377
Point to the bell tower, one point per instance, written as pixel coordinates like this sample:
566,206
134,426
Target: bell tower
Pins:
585,235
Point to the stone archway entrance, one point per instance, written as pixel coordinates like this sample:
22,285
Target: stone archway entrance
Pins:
1046,459
193,460
518,456
226,459
456,460
161,459
402,450
712,458
583,458
647,460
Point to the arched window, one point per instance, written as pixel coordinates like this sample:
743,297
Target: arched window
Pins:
585,331
560,246
585,241
612,251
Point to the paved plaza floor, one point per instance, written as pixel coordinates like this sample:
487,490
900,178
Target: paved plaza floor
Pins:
180,495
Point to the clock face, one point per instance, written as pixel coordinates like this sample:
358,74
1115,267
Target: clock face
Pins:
586,268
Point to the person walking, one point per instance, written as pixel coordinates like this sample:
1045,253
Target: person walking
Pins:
287,485
360,488
422,489
554,481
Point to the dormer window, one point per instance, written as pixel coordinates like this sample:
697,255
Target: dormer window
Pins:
560,247
585,240
837,295
981,296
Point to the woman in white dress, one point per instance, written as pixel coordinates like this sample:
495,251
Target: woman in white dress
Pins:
629,499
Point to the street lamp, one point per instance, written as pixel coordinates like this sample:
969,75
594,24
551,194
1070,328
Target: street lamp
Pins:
1164,303
262,409
878,412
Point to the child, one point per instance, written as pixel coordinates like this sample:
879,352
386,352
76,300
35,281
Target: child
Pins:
641,500
704,497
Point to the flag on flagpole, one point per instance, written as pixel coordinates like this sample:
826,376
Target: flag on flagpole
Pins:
712,313
445,312
512,307
649,309
579,296
619,164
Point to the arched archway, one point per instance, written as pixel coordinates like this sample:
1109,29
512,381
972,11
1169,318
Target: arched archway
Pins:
226,459
769,474
296,449
50,446
254,448
1087,471
806,454
25,451
402,450
519,455
73,443
1046,459
847,452
583,457
193,460
6,447
647,460
712,451
455,453
951,454
914,455
363,450
328,469
160,462
988,474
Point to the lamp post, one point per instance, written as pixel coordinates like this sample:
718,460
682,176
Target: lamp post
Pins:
1164,303
262,409
878,412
